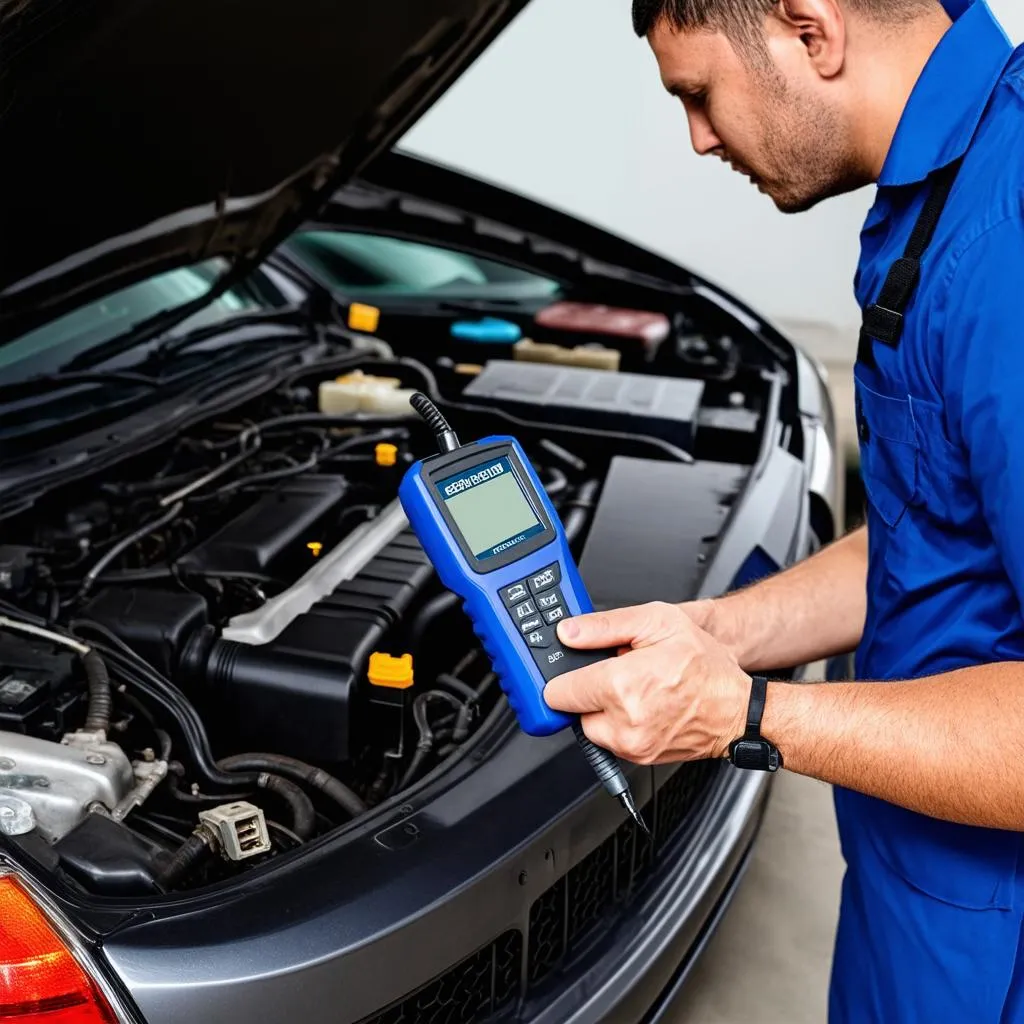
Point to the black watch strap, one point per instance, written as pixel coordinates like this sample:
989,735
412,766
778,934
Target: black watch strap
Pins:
752,751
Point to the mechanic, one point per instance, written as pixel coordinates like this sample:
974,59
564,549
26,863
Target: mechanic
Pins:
812,98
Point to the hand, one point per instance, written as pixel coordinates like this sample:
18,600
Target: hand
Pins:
674,694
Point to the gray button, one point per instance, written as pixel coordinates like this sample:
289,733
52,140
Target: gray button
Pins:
545,601
554,615
540,637
525,609
514,594
546,578
532,623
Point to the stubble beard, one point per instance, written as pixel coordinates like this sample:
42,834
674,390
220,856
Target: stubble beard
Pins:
808,148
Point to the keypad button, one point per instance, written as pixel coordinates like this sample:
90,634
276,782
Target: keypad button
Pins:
515,593
541,638
546,578
551,662
524,610
556,660
549,600
554,615
532,623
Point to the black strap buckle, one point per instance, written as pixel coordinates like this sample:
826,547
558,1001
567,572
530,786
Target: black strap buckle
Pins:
884,320
752,751
884,324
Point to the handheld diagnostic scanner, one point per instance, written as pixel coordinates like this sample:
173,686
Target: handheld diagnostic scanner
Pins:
496,541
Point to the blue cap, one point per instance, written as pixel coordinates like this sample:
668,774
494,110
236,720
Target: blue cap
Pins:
487,330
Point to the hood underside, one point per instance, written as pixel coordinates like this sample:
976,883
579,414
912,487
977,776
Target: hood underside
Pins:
144,134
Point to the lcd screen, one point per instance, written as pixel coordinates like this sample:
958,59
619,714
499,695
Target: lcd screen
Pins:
490,509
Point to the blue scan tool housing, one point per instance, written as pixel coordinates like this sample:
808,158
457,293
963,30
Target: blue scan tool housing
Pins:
480,583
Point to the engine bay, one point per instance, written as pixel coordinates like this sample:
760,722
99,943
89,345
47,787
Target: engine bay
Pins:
232,644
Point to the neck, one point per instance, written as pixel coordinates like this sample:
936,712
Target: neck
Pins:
891,65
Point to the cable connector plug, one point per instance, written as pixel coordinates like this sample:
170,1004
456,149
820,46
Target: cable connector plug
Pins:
447,439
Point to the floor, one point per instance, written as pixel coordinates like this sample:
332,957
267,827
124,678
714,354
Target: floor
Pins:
770,959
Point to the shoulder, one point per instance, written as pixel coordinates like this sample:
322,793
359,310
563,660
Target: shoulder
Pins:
989,193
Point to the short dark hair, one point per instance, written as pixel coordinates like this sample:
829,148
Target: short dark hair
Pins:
741,20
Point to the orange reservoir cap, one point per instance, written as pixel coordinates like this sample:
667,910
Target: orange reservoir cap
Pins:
387,671
386,454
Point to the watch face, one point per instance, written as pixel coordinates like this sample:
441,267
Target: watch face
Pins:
755,755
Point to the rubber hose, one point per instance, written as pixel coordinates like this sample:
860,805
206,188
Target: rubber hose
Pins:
101,701
579,509
468,709
184,860
300,806
415,766
467,691
172,703
123,545
298,771
557,483
426,740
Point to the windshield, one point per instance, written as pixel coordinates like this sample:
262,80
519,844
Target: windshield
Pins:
48,348
375,266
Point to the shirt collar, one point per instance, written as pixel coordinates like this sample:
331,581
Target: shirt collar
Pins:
951,95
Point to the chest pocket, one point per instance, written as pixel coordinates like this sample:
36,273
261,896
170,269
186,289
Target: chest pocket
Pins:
890,451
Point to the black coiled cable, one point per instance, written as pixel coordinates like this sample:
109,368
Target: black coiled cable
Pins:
447,441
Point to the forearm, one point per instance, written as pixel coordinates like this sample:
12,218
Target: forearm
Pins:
950,747
812,611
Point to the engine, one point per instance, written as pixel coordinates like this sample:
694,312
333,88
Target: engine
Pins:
232,644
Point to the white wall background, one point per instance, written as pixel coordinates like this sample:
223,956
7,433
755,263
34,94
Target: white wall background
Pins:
567,107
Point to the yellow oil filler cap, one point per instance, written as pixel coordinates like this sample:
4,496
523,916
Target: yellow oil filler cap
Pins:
363,318
386,454
390,672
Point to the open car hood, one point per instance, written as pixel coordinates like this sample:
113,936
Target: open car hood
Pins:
139,135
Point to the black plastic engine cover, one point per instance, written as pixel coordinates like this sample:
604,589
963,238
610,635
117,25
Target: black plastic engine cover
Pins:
275,528
155,622
107,858
296,694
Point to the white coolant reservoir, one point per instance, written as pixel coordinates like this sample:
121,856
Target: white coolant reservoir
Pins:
363,392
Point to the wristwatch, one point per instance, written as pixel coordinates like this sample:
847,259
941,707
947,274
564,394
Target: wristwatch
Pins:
752,751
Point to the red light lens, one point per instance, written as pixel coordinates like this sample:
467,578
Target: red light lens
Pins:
40,981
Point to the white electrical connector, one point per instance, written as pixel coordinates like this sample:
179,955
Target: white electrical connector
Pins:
240,829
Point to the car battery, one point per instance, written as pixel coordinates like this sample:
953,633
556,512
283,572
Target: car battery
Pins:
662,407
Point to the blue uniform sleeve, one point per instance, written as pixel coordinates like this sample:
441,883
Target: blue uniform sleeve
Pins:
983,369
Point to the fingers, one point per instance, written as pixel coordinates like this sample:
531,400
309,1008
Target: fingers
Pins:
600,729
624,627
581,692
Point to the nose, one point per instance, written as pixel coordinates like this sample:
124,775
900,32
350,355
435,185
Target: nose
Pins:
702,135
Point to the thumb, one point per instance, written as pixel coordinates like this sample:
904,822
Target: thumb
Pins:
619,628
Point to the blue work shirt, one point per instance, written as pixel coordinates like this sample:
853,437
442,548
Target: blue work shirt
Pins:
931,919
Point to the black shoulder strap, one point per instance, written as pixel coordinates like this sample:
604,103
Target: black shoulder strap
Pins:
883,320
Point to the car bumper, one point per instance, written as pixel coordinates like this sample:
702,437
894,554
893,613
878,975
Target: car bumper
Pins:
641,975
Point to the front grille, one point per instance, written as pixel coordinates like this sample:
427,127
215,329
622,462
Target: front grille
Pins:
581,906
564,920
478,987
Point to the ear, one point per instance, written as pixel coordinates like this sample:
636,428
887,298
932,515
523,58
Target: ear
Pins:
820,27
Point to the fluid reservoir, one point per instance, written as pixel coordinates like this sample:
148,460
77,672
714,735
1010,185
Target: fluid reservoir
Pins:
362,392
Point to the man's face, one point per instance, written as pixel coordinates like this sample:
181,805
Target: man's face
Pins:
768,118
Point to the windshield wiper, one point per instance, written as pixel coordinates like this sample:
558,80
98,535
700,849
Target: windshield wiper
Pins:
281,316
47,383
162,323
